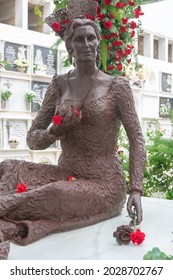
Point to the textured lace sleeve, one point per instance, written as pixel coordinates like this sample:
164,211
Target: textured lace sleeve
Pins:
39,137
128,116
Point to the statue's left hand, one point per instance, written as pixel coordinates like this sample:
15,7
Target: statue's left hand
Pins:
135,201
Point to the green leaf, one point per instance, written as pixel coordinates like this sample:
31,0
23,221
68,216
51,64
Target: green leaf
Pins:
156,254
103,51
60,4
118,14
37,11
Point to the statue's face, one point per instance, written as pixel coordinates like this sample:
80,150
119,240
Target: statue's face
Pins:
84,43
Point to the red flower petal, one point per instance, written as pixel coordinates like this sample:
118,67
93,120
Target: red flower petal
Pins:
21,188
71,178
57,120
137,237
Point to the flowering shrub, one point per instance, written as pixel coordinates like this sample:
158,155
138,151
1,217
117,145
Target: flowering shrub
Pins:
158,175
119,24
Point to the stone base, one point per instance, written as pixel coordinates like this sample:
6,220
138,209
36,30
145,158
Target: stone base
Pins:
97,243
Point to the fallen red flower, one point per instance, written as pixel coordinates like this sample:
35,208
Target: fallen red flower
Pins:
71,178
137,237
21,188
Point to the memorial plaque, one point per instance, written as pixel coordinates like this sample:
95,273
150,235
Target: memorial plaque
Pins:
166,104
45,59
12,52
40,89
166,82
17,128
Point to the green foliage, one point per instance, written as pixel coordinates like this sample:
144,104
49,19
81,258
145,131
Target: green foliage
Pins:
156,254
103,53
30,95
158,175
60,4
5,94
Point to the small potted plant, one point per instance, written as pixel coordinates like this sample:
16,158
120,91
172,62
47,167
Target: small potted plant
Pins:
21,64
5,95
30,95
13,142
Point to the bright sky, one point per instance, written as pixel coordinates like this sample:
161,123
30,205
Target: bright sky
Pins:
158,17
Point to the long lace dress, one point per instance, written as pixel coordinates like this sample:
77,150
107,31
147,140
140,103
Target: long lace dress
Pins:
52,203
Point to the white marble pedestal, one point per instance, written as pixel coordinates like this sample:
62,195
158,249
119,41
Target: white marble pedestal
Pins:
97,243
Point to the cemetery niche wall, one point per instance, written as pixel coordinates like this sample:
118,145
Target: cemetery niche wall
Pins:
18,112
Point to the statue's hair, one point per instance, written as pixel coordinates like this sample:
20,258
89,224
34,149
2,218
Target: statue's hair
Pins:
75,23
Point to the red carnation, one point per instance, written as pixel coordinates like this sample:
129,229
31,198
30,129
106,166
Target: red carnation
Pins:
98,9
133,33
71,178
138,12
107,24
100,16
124,20
65,21
89,16
127,52
111,67
133,24
21,188
129,60
117,43
107,2
131,3
56,27
57,120
123,28
112,16
119,5
108,36
117,57
120,67
137,237
77,112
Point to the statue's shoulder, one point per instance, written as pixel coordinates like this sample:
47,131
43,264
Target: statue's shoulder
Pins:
60,78
120,80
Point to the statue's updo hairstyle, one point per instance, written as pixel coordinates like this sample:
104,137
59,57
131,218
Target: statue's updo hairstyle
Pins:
68,35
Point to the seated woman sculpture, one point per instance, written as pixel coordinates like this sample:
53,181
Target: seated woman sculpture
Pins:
90,105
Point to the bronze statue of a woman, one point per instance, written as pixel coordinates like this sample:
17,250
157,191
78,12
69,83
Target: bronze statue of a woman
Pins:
91,106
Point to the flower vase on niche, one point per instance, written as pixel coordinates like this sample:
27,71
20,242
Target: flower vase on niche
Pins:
13,142
30,95
28,106
21,69
5,95
13,145
3,104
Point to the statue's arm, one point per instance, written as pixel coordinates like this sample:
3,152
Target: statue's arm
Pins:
130,121
39,136
137,151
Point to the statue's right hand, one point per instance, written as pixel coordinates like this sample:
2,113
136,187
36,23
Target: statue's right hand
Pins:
71,119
